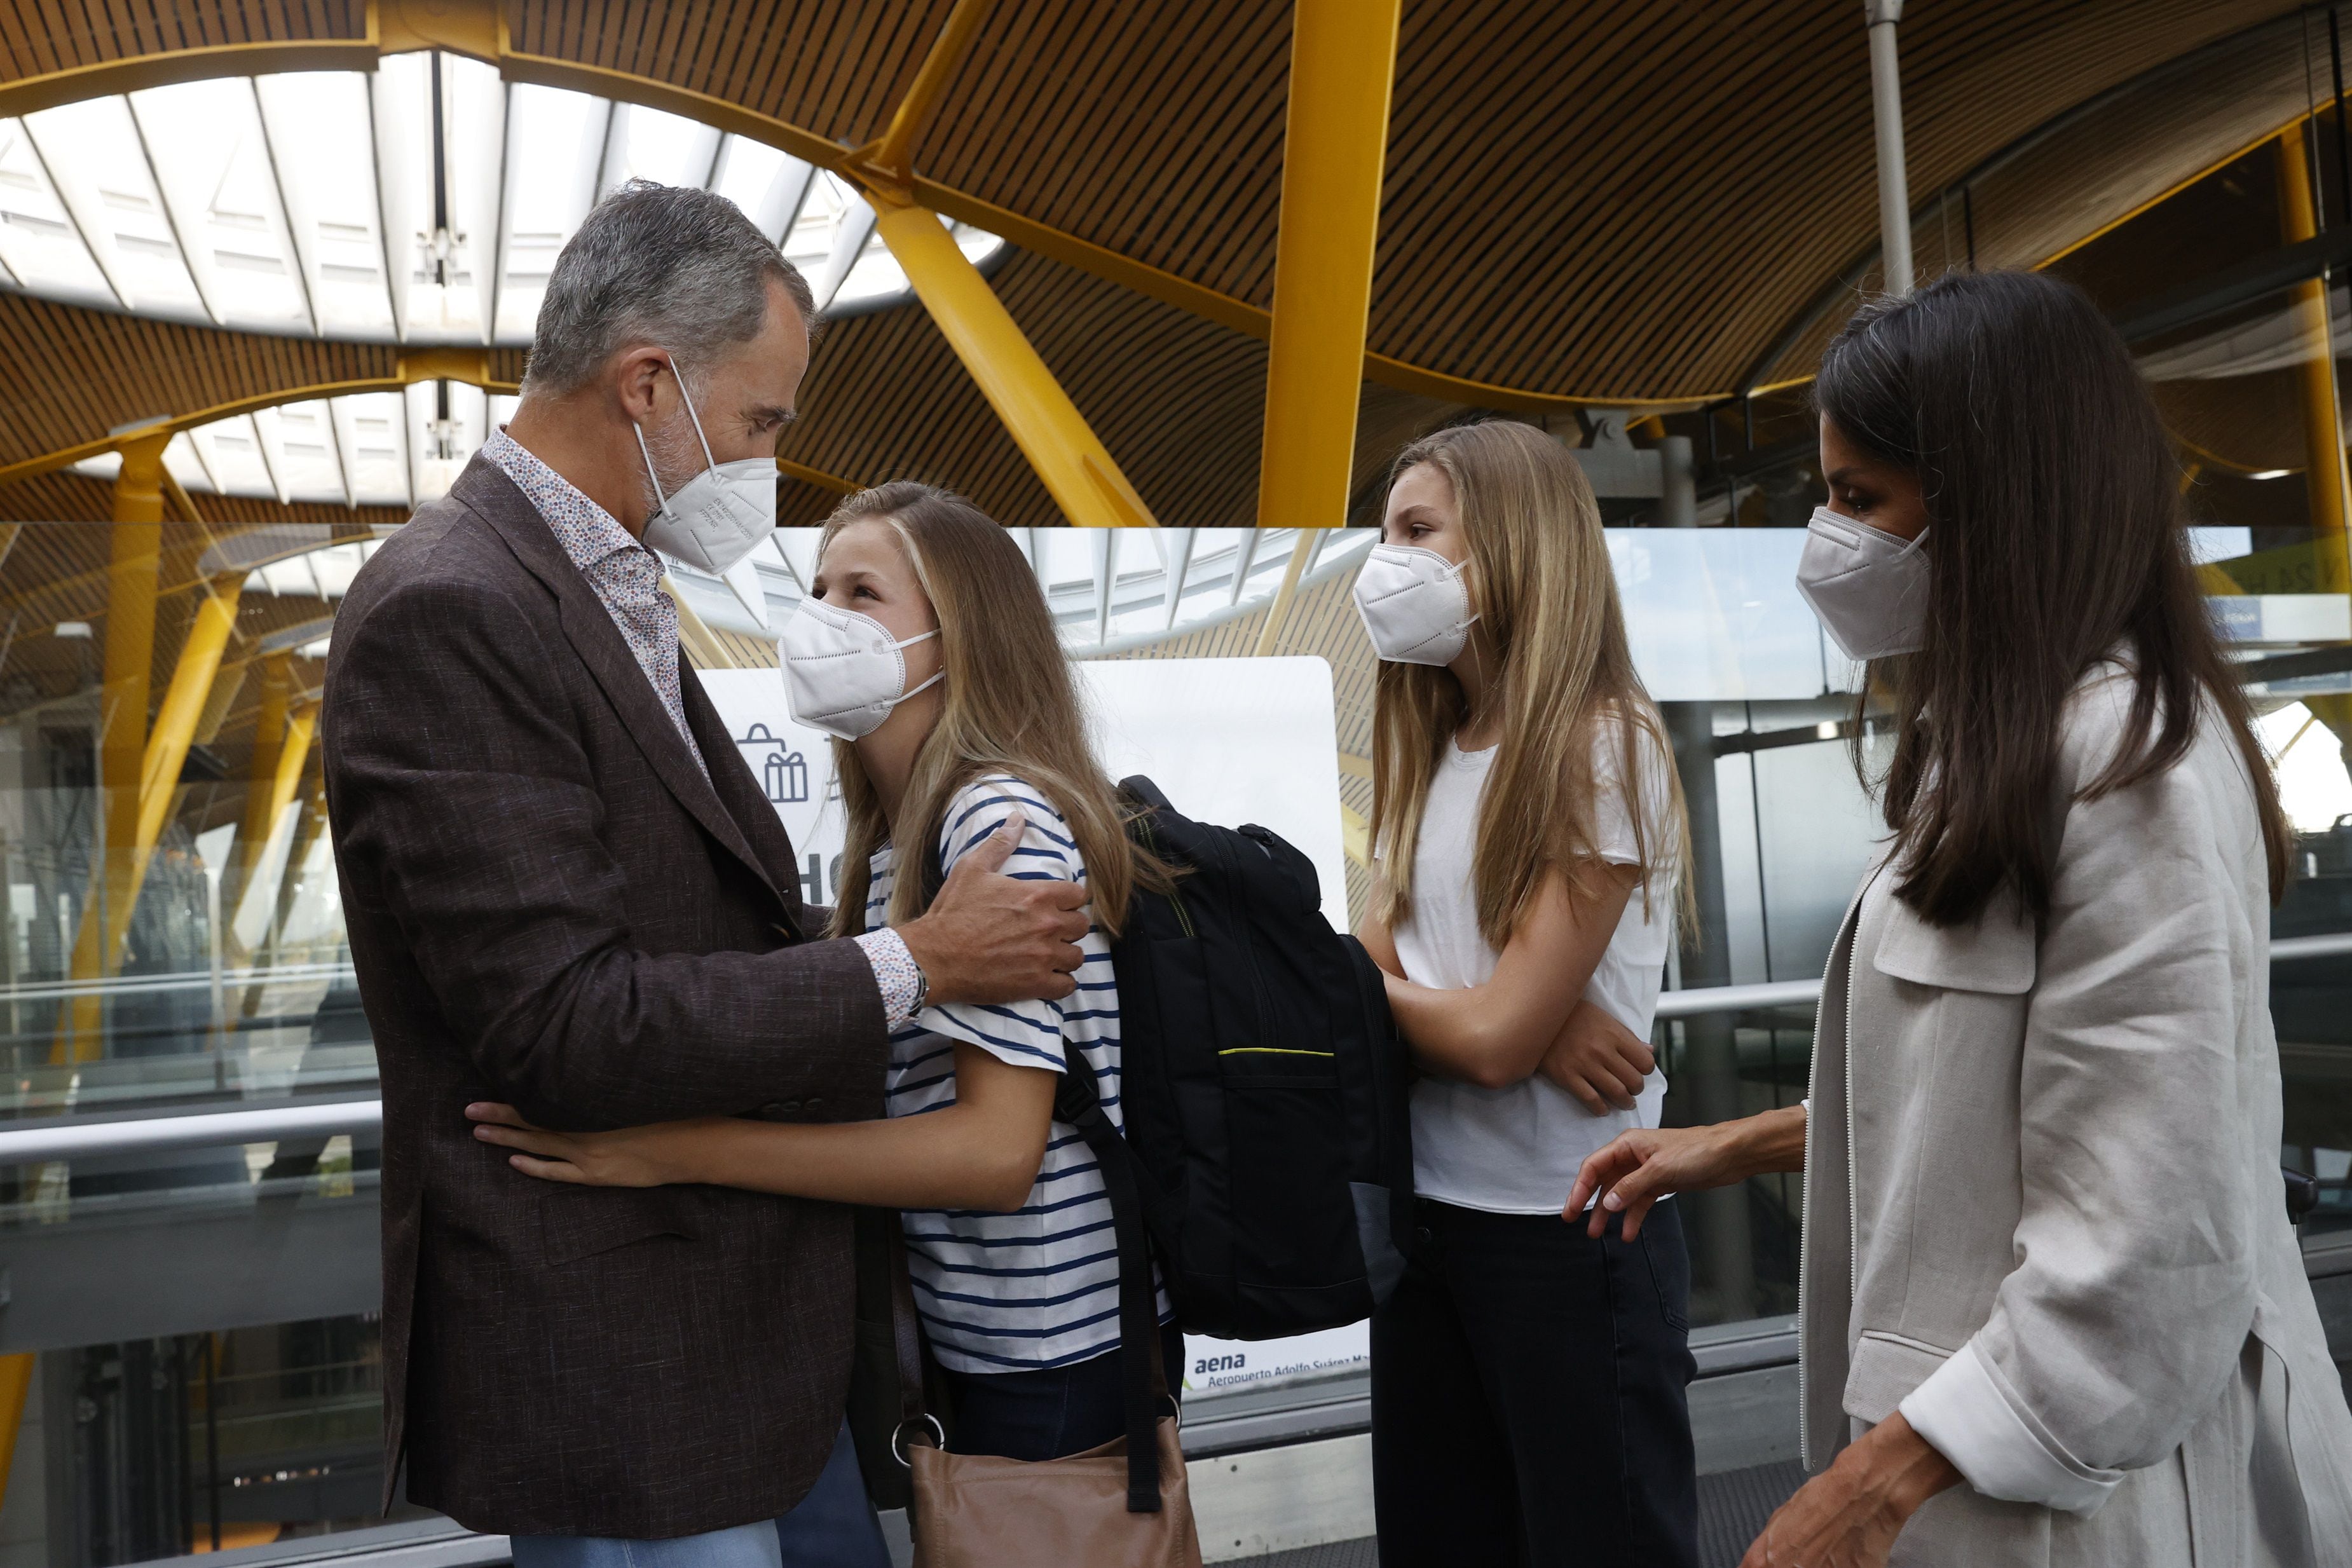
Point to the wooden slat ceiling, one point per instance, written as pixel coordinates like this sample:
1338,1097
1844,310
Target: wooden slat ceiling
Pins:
1618,199
39,36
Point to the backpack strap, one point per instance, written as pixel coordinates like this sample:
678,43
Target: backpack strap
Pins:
1145,1384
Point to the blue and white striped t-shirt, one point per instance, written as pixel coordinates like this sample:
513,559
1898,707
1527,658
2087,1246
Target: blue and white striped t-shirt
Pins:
1038,1287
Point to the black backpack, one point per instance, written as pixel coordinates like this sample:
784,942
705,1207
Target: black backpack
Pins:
1263,1086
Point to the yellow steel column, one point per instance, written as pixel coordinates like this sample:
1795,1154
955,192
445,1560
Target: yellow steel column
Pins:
2323,442
261,783
1077,470
167,748
16,1384
132,571
1335,141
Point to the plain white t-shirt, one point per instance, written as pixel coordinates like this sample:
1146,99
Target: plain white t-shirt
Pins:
1517,1150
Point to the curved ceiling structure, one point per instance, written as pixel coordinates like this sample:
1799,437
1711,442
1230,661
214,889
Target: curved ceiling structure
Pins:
1612,202
423,202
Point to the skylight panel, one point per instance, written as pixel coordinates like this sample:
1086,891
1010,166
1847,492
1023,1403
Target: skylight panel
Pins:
207,146
447,425
334,567
231,451
181,463
93,151
425,201
646,144
809,241
39,244
553,163
372,430
300,437
324,146
440,180
875,275
765,181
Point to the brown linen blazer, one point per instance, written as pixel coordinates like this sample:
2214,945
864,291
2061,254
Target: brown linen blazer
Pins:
549,904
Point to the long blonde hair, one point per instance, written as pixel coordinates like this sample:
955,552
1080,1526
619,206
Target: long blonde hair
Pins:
1008,705
1539,580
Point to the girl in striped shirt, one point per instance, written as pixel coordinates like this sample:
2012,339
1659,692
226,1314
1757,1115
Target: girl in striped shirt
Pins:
1008,1228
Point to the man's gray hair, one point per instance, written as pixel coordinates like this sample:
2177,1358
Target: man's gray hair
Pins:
656,264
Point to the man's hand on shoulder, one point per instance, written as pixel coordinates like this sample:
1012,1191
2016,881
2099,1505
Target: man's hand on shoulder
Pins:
989,937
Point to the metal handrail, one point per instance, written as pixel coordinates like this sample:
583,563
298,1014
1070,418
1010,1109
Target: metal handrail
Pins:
68,1139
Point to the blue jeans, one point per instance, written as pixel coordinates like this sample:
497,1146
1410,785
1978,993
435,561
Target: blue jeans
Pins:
832,1527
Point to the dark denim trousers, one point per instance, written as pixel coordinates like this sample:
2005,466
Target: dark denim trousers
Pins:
1529,1396
1052,1413
832,1527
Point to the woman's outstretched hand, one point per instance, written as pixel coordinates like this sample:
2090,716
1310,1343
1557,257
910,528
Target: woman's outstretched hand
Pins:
633,1157
1849,1515
1637,1168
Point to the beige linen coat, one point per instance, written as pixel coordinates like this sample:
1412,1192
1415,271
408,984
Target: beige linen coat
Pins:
2043,1207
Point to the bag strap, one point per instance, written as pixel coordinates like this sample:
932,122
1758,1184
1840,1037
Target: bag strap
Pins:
907,1346
1076,1104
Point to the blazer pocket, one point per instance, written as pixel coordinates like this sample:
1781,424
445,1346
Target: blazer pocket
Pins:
579,1222
1887,1368
1997,955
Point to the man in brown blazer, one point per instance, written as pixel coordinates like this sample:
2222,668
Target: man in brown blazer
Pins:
565,889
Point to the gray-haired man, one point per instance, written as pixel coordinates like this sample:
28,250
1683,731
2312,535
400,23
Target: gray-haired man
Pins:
564,890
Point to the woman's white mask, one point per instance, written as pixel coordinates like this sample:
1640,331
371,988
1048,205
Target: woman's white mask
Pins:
1415,604
1869,588
843,672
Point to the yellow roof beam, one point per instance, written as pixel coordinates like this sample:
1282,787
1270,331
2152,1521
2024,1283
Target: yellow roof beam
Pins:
894,152
1335,141
1076,469
478,29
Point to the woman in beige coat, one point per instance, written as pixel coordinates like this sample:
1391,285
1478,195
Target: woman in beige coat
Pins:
2052,1310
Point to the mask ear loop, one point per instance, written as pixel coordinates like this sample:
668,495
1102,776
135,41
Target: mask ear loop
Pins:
708,461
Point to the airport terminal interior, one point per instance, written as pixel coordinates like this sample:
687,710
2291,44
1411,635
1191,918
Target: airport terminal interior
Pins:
268,275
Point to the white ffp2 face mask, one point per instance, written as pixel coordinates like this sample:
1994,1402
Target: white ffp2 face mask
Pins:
720,515
1414,605
1869,588
843,672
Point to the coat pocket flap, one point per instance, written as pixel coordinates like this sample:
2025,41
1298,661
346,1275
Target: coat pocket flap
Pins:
1887,1368
1996,955
579,1222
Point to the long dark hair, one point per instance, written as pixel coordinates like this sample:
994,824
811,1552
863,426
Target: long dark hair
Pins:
2057,533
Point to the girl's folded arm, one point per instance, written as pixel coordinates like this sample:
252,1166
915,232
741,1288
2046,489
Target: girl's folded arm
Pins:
1495,1034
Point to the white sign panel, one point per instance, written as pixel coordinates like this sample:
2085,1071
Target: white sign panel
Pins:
1227,741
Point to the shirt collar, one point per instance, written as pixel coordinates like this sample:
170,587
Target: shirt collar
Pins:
587,532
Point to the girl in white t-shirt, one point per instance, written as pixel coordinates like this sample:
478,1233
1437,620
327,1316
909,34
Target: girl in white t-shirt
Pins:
1528,1380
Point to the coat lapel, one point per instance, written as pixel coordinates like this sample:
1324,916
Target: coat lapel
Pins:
588,626
741,797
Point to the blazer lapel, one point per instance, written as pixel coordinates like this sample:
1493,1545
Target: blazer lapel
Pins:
741,795
588,626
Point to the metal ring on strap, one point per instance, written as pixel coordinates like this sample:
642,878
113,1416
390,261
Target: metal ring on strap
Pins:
899,1437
